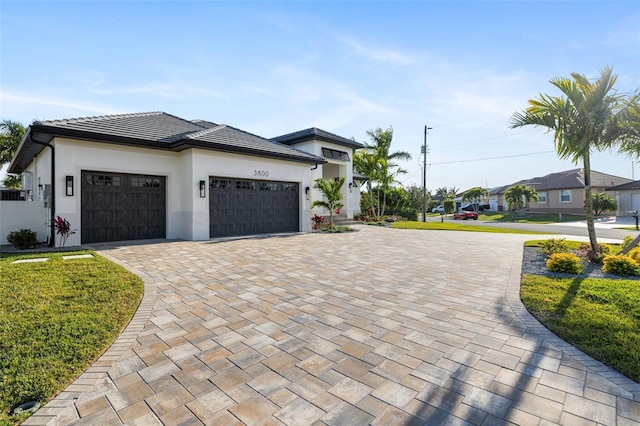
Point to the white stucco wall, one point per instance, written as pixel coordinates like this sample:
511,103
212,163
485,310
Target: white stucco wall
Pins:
333,168
187,213
16,215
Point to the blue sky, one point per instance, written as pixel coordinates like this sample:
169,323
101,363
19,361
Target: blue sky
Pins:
270,68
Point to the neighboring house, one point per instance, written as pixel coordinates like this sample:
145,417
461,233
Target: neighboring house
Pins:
561,192
155,175
627,197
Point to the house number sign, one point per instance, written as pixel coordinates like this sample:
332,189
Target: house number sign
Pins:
261,173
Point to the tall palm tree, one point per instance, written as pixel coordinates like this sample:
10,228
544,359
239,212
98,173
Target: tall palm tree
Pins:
387,169
11,133
332,192
590,116
367,163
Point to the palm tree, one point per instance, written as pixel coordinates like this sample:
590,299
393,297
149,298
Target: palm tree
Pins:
590,115
519,196
475,195
367,163
11,133
386,169
332,191
445,192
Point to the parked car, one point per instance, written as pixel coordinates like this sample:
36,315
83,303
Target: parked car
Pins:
464,215
471,207
438,209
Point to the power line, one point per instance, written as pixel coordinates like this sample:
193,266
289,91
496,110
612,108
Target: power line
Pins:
445,147
491,158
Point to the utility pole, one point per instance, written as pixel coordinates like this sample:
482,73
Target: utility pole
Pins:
424,175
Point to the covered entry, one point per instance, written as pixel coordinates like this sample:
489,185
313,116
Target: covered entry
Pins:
245,207
119,206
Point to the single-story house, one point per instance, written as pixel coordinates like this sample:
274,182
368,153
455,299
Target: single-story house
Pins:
561,192
154,175
627,196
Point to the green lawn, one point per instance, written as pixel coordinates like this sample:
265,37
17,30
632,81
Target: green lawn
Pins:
540,218
56,318
599,316
457,226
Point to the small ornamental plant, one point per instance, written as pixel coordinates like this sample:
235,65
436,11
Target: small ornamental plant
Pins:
585,252
553,246
635,254
317,221
621,265
565,262
63,228
23,239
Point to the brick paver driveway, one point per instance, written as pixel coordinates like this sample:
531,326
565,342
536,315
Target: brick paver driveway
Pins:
379,326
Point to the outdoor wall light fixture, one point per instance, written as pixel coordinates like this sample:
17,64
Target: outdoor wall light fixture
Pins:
350,187
307,194
202,189
69,186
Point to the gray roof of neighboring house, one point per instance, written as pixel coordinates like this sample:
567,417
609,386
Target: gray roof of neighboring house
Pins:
568,179
629,186
314,133
155,130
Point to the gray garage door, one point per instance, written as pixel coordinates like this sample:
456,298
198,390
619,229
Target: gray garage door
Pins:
117,207
246,207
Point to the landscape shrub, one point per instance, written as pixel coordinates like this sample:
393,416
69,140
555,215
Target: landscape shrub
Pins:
584,251
621,265
635,254
407,213
553,246
626,241
23,239
564,262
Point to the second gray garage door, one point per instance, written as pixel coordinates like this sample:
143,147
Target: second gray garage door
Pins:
247,207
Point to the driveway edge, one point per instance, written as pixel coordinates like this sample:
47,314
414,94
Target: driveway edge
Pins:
536,327
61,409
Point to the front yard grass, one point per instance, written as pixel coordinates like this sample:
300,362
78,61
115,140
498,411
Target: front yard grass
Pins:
599,316
539,218
448,226
56,318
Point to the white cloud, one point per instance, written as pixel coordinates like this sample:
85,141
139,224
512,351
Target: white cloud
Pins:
173,91
20,106
378,55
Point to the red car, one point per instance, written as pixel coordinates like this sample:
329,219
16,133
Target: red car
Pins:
464,215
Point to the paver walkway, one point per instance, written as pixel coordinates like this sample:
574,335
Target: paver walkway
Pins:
379,326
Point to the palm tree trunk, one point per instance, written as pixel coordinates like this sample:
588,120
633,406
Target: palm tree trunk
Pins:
631,245
588,204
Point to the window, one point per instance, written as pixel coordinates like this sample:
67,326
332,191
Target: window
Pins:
220,183
289,187
565,195
542,197
146,182
245,184
103,180
268,186
336,155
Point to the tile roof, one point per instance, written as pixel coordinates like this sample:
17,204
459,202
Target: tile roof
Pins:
232,139
634,185
568,179
150,126
314,133
156,130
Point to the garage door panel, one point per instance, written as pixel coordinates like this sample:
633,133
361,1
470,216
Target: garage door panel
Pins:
245,207
117,207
